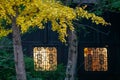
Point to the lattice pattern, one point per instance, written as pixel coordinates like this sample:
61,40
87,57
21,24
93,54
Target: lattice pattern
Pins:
95,59
45,58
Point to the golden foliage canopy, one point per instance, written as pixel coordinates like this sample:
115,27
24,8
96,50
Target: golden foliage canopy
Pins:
31,13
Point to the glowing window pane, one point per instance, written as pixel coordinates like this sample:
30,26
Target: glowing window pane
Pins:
95,59
45,58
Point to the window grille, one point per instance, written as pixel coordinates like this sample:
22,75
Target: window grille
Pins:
95,59
45,58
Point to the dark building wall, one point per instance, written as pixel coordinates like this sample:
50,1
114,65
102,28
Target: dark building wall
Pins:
108,37
114,42
44,38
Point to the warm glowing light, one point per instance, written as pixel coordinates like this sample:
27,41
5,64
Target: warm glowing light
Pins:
45,58
95,59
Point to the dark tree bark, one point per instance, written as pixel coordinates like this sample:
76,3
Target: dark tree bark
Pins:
18,53
72,56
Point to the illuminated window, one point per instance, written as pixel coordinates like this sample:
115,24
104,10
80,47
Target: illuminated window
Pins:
95,59
45,58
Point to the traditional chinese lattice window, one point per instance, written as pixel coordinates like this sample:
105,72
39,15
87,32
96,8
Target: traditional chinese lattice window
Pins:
95,59
45,58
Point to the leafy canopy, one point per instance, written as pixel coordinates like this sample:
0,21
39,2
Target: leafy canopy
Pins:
31,13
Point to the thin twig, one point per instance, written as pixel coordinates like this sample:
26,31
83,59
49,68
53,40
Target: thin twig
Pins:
93,28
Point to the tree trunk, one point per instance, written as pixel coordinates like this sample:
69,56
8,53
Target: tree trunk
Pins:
72,56
18,53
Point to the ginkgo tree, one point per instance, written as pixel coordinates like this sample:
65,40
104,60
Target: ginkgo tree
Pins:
21,15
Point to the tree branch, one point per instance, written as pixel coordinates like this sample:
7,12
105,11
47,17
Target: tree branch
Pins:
93,28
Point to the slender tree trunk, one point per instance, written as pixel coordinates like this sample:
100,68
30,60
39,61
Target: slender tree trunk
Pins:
72,56
72,53
18,53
